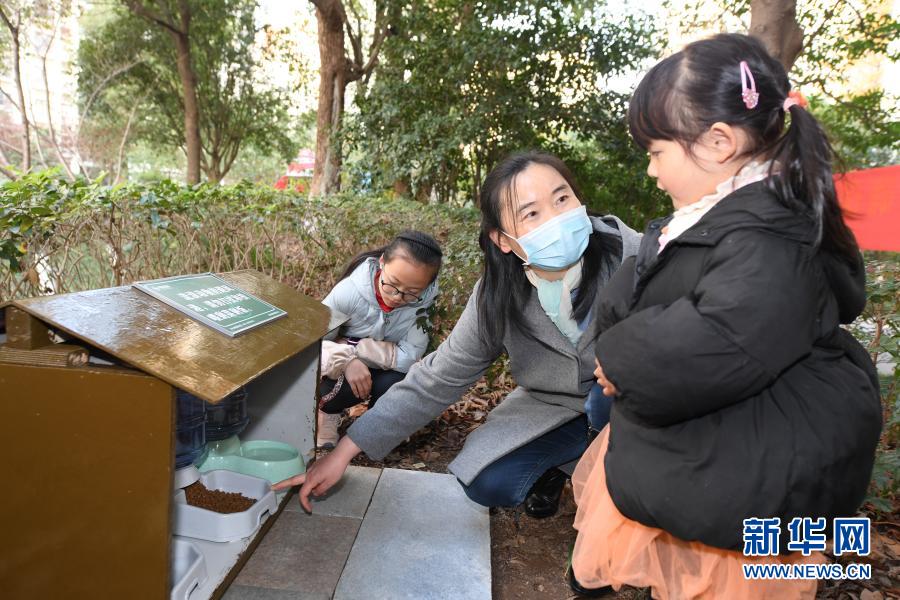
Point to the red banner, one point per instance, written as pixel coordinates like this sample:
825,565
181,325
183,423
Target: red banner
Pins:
870,200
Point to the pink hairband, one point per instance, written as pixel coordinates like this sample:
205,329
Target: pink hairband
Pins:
794,98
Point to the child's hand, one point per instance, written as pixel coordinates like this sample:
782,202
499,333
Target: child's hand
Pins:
359,377
608,388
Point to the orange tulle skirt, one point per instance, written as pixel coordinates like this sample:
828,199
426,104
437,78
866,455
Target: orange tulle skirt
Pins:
614,550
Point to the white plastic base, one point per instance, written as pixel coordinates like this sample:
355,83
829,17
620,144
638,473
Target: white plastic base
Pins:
188,569
221,558
205,524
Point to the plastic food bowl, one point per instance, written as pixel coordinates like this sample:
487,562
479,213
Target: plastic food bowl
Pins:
267,459
192,521
187,569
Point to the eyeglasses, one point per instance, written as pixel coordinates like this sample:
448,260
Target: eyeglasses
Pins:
394,291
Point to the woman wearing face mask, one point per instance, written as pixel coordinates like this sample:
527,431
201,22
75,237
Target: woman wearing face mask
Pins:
544,262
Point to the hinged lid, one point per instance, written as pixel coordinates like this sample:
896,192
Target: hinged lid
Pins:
155,338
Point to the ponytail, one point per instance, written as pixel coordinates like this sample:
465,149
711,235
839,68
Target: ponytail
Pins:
360,259
806,182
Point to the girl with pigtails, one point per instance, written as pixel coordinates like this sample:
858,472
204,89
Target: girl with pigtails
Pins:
737,395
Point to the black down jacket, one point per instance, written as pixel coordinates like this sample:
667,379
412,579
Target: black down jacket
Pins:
740,395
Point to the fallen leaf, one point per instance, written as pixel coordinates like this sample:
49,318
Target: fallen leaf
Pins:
892,547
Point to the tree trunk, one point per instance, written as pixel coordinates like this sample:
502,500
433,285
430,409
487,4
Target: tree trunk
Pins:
774,22
213,169
53,138
401,188
332,85
17,74
120,158
14,35
191,108
181,36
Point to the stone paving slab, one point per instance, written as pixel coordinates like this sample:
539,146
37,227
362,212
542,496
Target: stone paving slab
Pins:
301,557
422,539
347,498
245,592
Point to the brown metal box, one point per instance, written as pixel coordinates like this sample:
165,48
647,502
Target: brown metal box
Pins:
90,448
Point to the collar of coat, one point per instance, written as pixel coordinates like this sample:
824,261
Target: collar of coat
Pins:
754,206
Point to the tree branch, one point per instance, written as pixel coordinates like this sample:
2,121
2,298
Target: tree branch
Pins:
99,88
355,37
53,140
4,168
139,9
381,31
10,98
9,146
229,160
8,173
13,29
121,152
826,18
356,69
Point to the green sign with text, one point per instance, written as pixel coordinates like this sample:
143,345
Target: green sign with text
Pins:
212,301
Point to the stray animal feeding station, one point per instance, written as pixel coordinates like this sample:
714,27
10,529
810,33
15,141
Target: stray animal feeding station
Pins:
93,387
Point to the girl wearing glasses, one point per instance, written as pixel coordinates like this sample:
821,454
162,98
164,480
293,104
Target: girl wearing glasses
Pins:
545,262
385,293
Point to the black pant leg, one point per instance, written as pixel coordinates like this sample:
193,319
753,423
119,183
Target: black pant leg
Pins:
342,400
381,381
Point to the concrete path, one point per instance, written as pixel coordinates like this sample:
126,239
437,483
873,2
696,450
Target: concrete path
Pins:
379,534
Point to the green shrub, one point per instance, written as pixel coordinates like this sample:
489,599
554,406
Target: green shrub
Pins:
62,236
877,330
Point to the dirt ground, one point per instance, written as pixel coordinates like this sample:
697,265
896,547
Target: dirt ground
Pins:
529,556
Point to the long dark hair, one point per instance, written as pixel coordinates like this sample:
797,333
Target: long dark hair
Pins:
417,245
685,94
504,288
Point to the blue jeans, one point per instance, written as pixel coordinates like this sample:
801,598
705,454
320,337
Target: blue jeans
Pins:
507,480
597,407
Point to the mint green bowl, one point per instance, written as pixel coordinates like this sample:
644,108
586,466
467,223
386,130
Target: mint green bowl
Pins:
266,459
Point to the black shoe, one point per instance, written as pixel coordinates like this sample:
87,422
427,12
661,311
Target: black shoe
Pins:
543,499
584,592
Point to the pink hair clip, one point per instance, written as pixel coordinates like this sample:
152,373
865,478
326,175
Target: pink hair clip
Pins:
749,94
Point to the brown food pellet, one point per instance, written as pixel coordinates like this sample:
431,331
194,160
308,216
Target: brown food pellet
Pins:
216,500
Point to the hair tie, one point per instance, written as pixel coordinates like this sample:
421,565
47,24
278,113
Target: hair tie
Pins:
748,93
794,98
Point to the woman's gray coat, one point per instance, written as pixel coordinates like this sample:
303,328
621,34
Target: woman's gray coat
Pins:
553,377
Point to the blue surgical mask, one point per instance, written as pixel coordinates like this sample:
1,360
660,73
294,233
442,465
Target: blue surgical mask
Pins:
558,243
